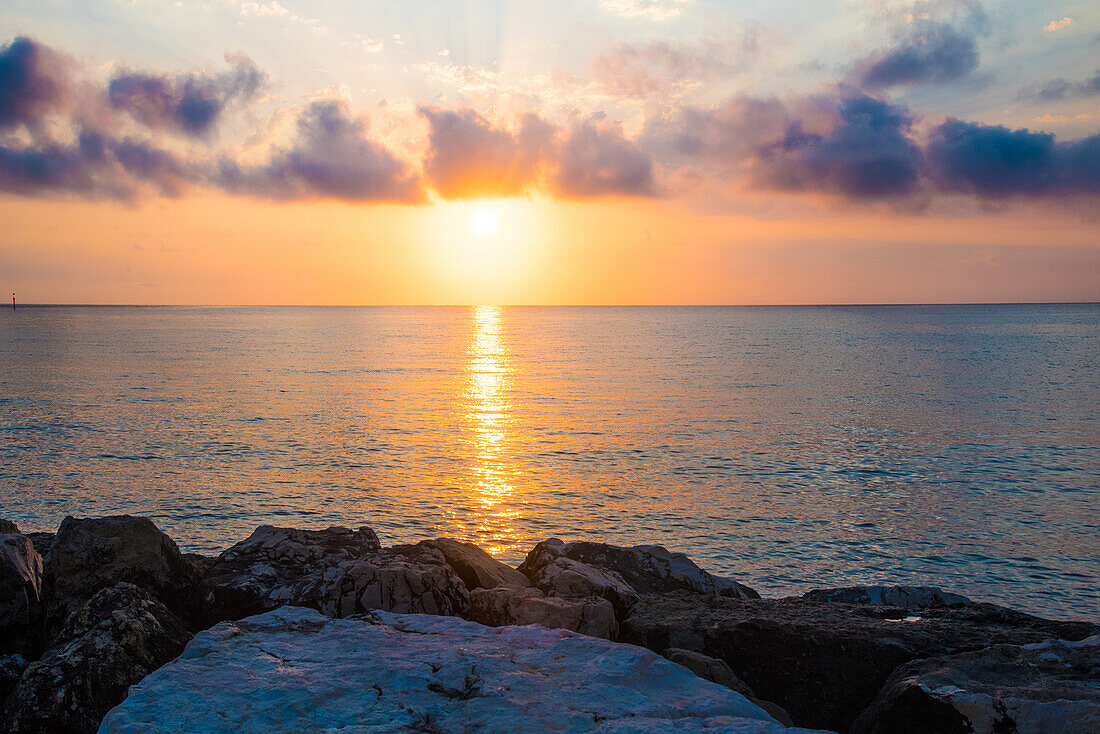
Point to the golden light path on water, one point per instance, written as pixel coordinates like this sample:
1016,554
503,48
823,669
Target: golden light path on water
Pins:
487,415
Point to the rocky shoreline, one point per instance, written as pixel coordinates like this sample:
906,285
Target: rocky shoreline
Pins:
438,630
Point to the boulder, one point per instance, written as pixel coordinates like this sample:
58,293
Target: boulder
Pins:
505,606
336,571
118,637
42,542
295,670
1045,688
621,575
716,671
20,594
96,553
825,661
913,598
476,568
7,526
11,669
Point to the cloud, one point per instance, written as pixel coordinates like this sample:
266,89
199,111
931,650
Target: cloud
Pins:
849,144
468,157
662,67
94,166
188,103
649,9
598,161
1056,25
994,162
867,155
35,81
1057,89
930,53
332,156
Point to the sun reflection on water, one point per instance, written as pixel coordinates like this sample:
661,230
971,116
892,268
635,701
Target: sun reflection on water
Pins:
488,416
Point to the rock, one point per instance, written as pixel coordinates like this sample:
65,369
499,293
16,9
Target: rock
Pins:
716,671
621,575
201,564
708,668
11,669
554,573
825,661
335,571
913,598
1045,688
96,553
114,641
294,670
20,594
476,568
7,526
42,542
505,606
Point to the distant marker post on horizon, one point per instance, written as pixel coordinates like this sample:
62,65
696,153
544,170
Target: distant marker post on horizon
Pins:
12,301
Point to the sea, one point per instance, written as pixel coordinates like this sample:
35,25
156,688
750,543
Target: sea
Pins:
790,448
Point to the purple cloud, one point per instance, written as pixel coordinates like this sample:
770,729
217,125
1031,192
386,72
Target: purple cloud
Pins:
34,82
186,103
331,157
932,53
598,161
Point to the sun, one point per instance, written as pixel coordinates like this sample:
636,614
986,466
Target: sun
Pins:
483,223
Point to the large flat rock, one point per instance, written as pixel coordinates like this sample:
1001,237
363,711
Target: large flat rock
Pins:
295,670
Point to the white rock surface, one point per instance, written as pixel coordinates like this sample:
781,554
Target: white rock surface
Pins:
295,670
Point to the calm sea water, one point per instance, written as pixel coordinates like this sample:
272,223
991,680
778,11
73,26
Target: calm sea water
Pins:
790,448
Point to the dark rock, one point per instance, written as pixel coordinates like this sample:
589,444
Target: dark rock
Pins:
1051,687
337,571
200,563
11,669
20,595
913,598
717,671
476,568
95,553
824,661
121,635
7,526
42,542
503,606
618,574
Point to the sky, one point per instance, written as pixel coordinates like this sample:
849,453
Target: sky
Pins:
573,152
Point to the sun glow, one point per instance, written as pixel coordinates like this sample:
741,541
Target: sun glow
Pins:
483,223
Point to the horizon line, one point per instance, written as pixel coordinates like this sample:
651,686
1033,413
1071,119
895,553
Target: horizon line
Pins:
557,305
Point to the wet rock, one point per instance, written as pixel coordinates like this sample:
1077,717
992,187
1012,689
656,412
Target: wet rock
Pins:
504,606
476,568
96,553
913,598
1045,688
336,571
20,594
716,671
121,635
11,669
7,526
825,661
294,670
621,575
